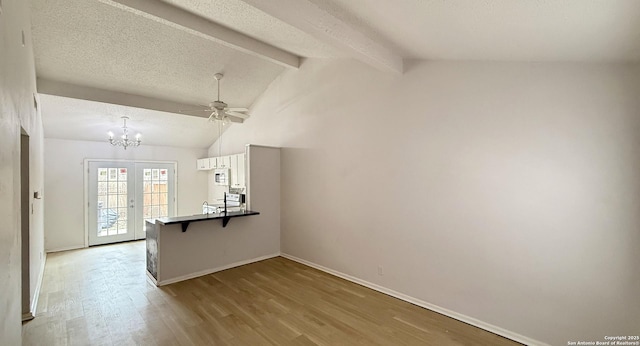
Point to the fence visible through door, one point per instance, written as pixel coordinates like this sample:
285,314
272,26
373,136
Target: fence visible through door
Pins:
122,195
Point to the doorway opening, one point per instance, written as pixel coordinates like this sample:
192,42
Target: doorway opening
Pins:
25,222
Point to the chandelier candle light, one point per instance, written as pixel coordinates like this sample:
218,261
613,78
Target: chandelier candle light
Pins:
124,140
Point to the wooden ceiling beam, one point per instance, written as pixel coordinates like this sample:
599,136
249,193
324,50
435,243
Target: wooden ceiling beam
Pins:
186,21
56,88
320,24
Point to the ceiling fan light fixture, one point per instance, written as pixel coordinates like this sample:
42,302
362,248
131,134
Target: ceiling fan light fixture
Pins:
219,110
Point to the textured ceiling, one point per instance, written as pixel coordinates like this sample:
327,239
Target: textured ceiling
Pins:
68,118
499,30
89,43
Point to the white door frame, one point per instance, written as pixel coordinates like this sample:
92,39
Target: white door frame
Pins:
86,187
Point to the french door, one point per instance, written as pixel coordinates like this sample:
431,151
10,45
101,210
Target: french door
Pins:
122,195
155,193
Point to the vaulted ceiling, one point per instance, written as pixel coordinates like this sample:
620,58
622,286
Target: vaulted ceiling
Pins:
154,58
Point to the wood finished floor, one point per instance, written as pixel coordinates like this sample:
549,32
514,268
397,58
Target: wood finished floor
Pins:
101,296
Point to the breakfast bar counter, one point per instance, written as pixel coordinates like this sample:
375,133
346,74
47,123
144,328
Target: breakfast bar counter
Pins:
177,251
184,221
187,247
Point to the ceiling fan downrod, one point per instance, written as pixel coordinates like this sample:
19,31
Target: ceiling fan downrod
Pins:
218,77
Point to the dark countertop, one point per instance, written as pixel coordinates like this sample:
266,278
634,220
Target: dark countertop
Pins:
185,220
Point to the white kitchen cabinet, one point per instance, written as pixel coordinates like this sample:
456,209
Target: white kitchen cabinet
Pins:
224,162
203,164
233,164
213,162
241,181
237,171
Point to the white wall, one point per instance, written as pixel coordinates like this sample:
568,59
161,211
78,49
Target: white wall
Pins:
508,193
64,182
17,86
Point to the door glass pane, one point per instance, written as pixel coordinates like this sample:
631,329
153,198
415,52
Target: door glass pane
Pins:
122,220
112,201
102,188
122,201
146,212
122,187
102,174
113,174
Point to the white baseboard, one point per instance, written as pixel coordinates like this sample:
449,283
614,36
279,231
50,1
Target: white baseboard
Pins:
67,248
36,294
27,316
213,270
153,280
460,317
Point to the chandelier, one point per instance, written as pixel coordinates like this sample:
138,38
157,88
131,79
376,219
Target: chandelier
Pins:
124,140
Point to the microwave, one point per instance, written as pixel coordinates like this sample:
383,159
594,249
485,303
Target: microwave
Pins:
221,176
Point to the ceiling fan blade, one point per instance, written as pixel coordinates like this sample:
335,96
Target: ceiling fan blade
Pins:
236,109
187,111
239,115
235,119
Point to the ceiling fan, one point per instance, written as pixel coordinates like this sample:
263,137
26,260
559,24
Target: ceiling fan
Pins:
220,111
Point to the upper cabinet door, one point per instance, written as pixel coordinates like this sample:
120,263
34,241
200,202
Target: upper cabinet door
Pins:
241,171
233,161
224,162
203,164
213,162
